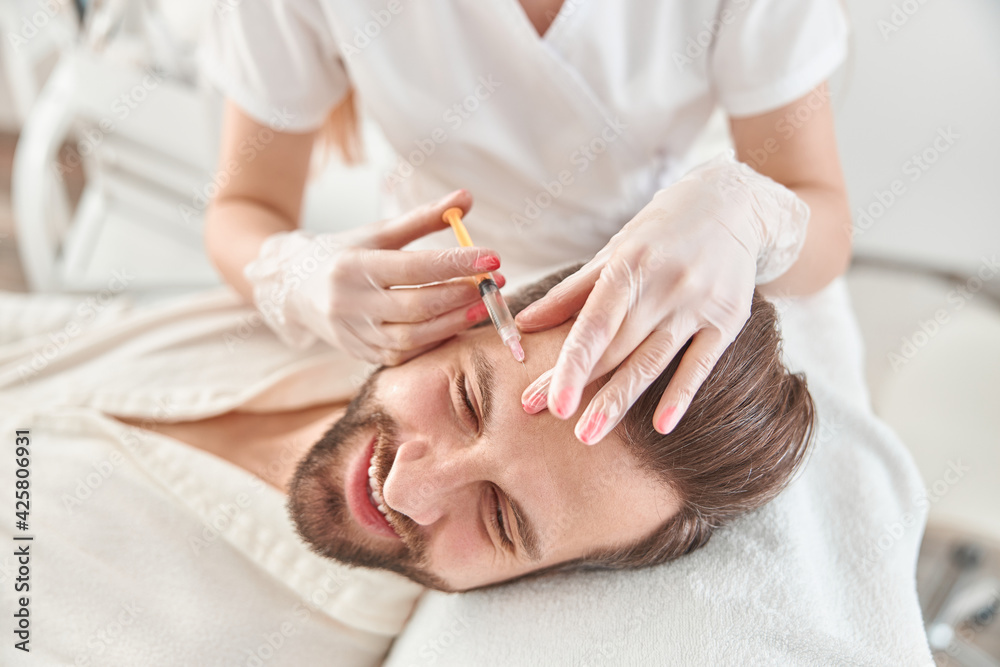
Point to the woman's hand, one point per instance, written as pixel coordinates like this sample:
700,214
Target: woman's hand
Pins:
359,292
684,268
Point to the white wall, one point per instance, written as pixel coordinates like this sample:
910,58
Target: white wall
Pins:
911,78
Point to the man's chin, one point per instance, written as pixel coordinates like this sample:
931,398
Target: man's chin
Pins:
322,516
323,520
319,502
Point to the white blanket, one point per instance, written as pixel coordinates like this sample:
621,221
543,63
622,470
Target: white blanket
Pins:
823,575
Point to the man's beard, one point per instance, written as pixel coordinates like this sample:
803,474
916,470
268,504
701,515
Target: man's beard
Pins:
319,508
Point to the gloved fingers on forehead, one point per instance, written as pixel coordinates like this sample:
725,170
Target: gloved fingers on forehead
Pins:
633,376
597,325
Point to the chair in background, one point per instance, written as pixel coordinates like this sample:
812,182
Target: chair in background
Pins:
146,136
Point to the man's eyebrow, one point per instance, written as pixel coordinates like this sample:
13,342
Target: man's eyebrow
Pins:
529,538
485,379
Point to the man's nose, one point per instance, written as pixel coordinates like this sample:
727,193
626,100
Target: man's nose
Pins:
424,479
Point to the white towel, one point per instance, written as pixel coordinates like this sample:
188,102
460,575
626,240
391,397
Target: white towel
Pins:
823,575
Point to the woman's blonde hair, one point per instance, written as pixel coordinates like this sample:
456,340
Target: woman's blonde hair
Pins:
341,132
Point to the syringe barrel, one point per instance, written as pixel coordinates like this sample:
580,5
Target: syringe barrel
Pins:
499,313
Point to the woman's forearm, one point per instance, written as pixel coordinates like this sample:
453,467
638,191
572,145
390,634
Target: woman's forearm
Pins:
263,195
235,228
803,157
826,253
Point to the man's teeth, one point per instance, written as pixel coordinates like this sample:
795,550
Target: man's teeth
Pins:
373,487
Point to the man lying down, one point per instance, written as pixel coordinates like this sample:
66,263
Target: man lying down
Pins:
435,471
152,428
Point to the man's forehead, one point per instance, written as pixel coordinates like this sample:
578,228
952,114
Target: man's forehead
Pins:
483,340
546,342
477,333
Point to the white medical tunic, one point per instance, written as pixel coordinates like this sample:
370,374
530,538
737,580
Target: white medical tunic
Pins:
561,139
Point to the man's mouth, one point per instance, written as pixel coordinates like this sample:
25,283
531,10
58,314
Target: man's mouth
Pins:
373,494
363,496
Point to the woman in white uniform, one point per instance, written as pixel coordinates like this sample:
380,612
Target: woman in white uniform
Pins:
569,123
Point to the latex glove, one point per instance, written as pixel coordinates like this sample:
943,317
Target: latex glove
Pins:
345,288
683,268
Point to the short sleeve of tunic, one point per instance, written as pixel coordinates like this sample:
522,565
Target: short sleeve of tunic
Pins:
769,53
275,59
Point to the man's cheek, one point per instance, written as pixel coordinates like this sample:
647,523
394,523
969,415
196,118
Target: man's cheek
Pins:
416,396
459,556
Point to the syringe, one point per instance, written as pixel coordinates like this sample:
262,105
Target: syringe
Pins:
488,290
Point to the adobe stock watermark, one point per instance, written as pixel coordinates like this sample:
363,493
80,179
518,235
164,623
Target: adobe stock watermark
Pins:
567,9
321,249
435,647
335,577
958,297
130,437
362,36
89,483
269,645
248,150
788,125
953,641
913,169
246,328
121,108
272,642
104,638
580,161
34,23
86,312
607,652
224,7
924,500
224,515
284,461
900,15
696,46
453,117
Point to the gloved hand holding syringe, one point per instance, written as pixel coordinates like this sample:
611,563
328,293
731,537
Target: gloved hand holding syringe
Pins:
359,291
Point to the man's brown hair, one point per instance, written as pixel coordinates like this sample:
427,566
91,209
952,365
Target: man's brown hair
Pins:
737,446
